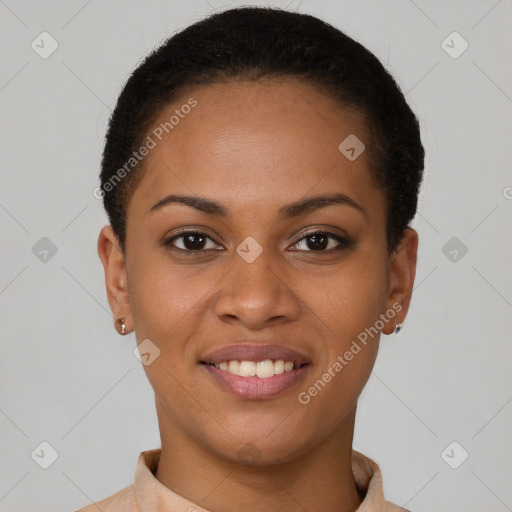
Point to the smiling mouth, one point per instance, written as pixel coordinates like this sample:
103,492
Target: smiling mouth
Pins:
262,369
253,371
257,380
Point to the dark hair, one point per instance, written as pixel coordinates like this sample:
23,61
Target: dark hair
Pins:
253,43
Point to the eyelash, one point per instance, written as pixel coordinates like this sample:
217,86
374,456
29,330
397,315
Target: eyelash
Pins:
344,242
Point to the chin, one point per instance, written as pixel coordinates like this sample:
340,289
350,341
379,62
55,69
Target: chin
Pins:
254,447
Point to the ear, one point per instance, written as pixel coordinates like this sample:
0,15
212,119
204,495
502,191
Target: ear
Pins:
401,278
116,281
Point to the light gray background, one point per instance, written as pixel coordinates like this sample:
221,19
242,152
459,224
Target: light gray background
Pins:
68,379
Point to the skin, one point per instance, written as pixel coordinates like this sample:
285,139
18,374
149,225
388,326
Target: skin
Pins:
255,147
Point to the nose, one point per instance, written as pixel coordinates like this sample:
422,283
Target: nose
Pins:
256,295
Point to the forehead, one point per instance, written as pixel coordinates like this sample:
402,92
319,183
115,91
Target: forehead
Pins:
269,140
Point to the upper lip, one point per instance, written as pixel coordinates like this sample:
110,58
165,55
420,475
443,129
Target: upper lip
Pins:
255,352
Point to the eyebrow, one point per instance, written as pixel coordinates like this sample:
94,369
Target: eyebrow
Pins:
294,209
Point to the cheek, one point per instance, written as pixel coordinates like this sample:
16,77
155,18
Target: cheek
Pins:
163,298
349,301
166,305
348,310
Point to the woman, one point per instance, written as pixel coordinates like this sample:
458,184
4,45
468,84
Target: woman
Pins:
260,173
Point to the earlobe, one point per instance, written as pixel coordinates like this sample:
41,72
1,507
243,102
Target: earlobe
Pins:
114,266
401,279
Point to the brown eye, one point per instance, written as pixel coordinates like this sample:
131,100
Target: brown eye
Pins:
190,241
320,241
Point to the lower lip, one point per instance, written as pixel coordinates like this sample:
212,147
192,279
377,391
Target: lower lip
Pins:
256,388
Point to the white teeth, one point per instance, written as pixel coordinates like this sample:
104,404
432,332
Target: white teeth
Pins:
261,369
247,368
279,367
234,367
265,369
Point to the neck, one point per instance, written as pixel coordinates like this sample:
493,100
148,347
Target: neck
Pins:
318,480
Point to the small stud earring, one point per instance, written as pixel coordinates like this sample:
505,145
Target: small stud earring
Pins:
123,325
398,327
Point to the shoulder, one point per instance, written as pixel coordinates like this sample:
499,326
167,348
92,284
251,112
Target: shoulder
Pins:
124,500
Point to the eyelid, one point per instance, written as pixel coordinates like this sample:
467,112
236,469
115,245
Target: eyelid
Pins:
168,240
344,240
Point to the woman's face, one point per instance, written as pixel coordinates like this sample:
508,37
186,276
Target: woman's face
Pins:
278,278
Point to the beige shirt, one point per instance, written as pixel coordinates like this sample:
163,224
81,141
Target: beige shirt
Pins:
147,494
